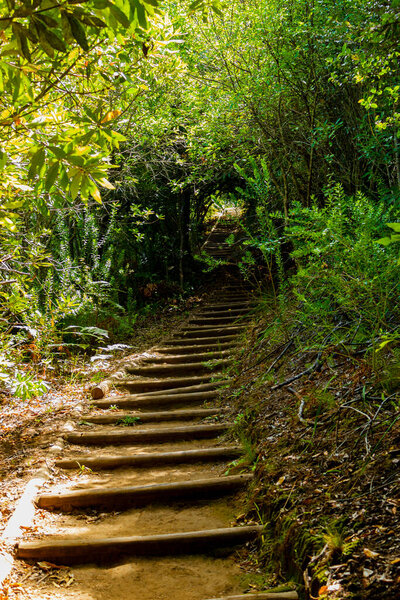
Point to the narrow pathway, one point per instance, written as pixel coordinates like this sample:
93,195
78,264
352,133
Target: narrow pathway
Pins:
142,504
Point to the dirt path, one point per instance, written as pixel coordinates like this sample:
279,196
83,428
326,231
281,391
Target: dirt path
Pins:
140,502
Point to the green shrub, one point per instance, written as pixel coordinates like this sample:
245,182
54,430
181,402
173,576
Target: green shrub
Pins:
345,277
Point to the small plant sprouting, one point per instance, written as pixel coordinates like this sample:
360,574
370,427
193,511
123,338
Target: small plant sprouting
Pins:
128,421
84,469
113,407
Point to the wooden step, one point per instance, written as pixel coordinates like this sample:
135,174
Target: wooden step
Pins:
198,387
186,358
221,332
152,459
158,400
147,436
231,298
142,495
225,312
215,320
149,417
81,551
190,389
207,342
148,385
176,369
189,347
215,305
263,596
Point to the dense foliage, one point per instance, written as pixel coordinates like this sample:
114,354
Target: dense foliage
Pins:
123,122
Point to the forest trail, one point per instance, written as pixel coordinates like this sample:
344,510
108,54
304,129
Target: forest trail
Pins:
146,510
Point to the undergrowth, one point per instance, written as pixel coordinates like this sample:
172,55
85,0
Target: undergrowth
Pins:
320,441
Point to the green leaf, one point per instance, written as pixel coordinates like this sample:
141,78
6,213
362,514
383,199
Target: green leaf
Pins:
51,176
102,4
37,161
105,183
58,152
78,32
33,32
196,4
4,24
394,226
85,187
119,15
75,184
118,136
216,8
96,22
13,204
66,28
49,21
96,194
16,84
54,41
20,34
44,44
8,223
140,12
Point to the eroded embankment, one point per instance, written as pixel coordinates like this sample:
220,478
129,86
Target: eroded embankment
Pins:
324,441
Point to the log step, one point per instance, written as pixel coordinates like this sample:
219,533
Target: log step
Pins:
162,384
164,395
232,298
262,596
205,342
221,332
147,436
190,348
224,328
200,387
139,496
158,400
148,417
228,292
152,459
175,369
246,304
224,312
218,246
215,320
83,551
174,359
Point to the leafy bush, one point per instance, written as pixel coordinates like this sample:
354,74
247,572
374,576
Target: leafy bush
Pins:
345,277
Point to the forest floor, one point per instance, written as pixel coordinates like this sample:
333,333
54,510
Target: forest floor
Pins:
325,450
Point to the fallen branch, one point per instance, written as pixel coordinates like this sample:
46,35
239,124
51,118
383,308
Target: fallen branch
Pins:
286,348
296,377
